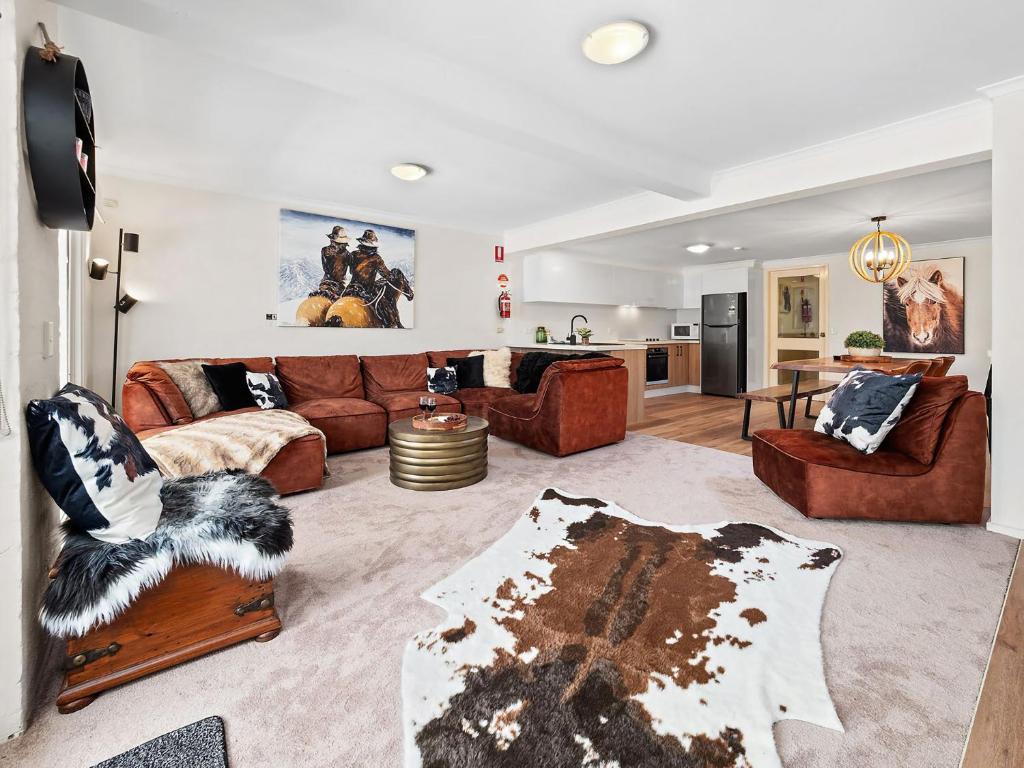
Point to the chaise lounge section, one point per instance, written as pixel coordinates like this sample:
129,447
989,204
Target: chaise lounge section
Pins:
931,468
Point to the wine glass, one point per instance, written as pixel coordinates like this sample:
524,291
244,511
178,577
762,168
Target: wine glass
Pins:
431,405
423,405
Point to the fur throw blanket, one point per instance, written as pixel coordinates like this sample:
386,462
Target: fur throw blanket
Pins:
230,519
248,441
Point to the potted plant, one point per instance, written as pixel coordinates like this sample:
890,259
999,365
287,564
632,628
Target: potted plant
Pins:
864,344
585,334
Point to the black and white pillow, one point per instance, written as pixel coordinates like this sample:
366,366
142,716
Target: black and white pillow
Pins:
266,390
865,407
94,466
442,381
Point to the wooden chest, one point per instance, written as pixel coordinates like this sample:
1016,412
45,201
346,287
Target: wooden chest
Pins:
195,610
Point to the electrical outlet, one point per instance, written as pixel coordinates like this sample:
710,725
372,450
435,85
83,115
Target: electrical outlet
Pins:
501,329
271,316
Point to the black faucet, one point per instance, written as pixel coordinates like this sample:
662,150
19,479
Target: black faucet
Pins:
571,338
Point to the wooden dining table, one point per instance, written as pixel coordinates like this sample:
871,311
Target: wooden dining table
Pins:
833,365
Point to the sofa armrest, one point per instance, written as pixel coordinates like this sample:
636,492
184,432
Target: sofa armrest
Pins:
150,399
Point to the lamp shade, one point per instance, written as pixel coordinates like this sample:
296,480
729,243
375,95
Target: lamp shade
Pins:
98,268
125,304
130,242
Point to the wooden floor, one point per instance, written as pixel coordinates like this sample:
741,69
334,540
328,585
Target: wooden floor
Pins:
997,736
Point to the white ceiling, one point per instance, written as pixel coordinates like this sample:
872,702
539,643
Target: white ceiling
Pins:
315,100
931,207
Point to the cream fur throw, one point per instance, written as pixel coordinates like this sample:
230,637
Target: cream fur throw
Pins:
188,377
497,367
247,441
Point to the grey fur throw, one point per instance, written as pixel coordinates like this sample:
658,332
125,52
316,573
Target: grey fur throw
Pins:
230,519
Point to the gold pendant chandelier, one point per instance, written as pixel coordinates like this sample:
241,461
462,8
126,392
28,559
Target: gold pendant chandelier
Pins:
880,256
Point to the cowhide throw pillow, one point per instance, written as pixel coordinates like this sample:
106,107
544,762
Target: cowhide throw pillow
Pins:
442,381
497,367
188,377
94,466
865,407
266,390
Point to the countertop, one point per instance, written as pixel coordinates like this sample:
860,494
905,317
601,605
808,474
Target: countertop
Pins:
571,349
660,343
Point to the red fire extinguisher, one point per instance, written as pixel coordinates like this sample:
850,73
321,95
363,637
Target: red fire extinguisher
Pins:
504,305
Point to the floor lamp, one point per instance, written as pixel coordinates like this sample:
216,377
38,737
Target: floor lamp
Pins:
98,270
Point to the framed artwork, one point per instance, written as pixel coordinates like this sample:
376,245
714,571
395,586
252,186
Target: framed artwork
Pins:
341,273
923,309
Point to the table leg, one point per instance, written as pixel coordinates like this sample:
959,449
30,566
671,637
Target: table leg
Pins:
793,398
745,432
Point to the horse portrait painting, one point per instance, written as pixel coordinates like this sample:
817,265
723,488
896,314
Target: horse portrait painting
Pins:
335,272
923,309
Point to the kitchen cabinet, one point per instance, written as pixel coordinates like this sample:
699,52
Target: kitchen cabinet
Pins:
692,282
734,280
561,279
683,365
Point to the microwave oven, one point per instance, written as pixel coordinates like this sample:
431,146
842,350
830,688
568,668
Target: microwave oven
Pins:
686,331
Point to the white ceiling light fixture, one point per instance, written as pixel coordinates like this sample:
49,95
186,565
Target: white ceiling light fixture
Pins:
409,171
738,248
616,42
699,247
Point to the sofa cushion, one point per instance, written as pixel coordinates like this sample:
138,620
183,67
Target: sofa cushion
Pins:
442,381
265,389
469,371
313,377
401,405
254,364
439,358
394,373
93,466
164,393
190,380
477,400
348,423
228,381
809,447
497,366
865,407
920,427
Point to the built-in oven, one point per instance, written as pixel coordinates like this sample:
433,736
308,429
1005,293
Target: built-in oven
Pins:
685,331
657,365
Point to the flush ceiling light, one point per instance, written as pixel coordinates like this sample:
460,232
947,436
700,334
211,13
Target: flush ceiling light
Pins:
738,248
616,42
408,171
880,256
699,248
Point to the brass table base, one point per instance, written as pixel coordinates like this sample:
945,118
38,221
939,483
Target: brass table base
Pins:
437,461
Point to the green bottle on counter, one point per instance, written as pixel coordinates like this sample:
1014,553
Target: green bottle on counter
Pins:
542,335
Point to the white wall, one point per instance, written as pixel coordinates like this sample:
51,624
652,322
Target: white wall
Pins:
855,304
206,276
28,298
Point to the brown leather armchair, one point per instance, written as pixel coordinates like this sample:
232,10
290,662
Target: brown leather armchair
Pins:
931,467
580,404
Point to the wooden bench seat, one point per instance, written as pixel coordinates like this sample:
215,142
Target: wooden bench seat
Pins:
779,395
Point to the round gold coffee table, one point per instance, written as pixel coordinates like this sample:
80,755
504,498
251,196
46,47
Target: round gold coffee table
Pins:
423,460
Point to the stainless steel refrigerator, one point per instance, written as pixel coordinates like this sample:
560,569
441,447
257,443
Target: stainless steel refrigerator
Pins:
723,344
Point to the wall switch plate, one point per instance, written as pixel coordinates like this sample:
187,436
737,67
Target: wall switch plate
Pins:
501,329
271,316
49,339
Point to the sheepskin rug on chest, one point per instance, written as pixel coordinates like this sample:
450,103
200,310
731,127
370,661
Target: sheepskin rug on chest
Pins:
589,637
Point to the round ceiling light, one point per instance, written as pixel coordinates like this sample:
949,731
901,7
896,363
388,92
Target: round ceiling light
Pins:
616,42
408,171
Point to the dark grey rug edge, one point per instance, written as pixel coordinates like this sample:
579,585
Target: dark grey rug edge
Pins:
197,745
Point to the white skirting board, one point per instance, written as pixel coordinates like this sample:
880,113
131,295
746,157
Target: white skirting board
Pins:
1007,530
671,390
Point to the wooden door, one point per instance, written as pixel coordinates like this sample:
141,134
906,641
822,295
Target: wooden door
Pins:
796,320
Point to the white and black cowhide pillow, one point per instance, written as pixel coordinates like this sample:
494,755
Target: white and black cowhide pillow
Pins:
442,381
865,407
94,466
266,390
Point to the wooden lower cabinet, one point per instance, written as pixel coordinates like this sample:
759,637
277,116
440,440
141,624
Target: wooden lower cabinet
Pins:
693,364
683,365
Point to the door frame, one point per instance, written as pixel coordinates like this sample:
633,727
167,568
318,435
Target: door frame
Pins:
770,312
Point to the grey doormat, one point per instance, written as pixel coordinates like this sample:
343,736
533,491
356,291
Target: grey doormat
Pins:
199,745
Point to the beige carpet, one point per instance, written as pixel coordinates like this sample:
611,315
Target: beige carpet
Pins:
908,620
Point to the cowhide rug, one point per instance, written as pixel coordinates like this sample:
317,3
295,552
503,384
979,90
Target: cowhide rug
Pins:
589,637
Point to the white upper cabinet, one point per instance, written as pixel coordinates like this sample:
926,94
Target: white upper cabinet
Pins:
725,280
692,284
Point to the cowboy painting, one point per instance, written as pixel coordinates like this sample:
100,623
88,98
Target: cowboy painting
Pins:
337,285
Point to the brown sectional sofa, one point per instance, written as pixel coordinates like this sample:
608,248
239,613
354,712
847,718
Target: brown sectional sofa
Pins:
579,404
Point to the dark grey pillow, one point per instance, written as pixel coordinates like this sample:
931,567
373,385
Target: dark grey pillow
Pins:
865,407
